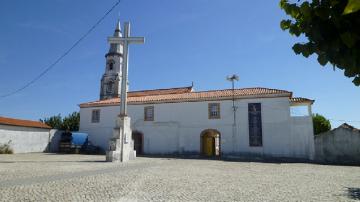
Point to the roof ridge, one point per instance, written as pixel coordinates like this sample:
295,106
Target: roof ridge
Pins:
218,90
185,87
208,90
348,126
248,88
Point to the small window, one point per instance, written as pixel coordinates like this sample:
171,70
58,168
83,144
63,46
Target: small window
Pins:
110,65
214,110
149,113
95,117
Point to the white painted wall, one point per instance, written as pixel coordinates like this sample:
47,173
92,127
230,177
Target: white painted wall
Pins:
25,139
302,135
177,127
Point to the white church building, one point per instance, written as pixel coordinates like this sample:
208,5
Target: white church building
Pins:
185,121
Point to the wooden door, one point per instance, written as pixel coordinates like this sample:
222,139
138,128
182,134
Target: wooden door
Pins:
209,144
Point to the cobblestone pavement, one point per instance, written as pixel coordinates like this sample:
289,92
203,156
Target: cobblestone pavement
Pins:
50,177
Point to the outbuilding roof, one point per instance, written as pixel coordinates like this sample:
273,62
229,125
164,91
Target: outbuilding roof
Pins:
187,95
301,100
23,123
348,127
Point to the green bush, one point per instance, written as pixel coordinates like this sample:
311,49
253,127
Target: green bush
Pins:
6,149
321,124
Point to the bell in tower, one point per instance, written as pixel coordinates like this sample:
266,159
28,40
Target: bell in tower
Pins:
111,79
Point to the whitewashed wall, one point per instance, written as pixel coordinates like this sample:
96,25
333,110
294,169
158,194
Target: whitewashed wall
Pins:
302,137
25,139
177,127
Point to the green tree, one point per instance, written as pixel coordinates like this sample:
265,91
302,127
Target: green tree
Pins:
54,122
332,28
71,122
321,124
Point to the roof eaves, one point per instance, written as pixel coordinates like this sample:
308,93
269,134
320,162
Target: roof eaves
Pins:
19,125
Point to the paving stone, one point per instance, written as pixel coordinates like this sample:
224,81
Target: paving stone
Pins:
49,177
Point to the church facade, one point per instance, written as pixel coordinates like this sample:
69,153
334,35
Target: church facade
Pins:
247,121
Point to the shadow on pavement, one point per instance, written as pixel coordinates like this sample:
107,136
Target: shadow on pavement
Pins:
353,193
245,158
230,159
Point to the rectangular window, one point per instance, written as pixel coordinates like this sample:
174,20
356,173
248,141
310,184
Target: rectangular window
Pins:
214,110
149,113
255,124
95,116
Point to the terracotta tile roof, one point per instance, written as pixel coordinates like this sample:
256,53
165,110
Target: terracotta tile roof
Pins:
160,91
301,100
24,123
194,96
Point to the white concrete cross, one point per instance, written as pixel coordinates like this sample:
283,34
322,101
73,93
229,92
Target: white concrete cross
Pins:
125,41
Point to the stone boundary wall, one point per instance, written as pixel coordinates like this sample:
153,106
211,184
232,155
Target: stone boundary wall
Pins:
28,139
340,146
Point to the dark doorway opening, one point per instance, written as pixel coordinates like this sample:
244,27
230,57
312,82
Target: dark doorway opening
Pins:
138,138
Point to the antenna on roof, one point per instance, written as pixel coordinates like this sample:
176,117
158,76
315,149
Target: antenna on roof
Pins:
232,79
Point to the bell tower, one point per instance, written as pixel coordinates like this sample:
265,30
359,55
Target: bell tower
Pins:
111,79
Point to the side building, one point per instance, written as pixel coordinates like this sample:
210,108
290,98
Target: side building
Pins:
181,121
24,136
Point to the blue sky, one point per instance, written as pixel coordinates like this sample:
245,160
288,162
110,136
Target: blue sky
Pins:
186,40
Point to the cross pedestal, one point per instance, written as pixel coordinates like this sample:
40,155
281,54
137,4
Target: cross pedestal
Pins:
121,146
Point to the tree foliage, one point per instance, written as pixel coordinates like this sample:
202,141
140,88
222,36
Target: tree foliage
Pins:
321,124
332,28
70,122
54,122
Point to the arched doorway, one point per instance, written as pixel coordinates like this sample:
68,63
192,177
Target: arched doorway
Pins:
138,138
210,143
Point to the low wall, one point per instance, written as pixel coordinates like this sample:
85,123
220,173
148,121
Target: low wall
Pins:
55,136
338,146
302,137
26,139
